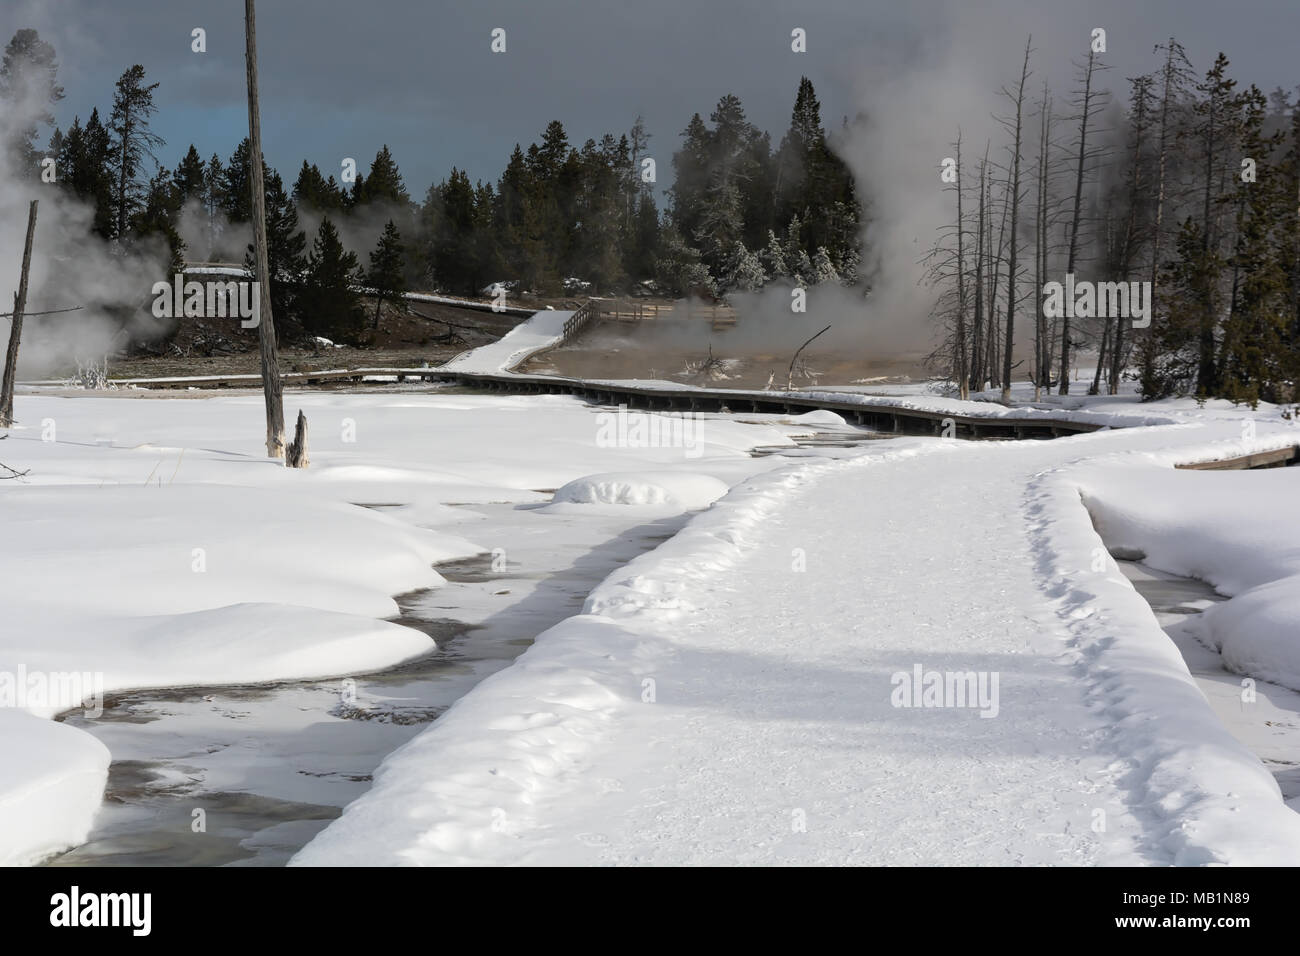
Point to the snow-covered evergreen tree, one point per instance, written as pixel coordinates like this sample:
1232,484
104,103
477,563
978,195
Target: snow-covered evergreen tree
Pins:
744,271
773,257
801,269
678,268
850,261
823,270
793,244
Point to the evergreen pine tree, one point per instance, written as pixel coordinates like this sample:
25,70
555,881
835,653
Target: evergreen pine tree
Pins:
1175,343
214,200
285,247
311,190
384,182
157,217
133,142
773,257
82,164
678,269
28,88
744,271
1252,360
328,300
191,177
823,270
236,192
644,247
387,275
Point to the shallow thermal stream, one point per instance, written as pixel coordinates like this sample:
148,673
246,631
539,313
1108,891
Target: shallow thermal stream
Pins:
266,767
1269,727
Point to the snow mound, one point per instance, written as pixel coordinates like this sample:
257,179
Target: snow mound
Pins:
1256,632
820,416
55,776
682,489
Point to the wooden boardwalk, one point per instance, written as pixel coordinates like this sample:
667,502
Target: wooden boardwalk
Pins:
878,417
1278,458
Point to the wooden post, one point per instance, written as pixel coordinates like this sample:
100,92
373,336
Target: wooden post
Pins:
271,388
16,330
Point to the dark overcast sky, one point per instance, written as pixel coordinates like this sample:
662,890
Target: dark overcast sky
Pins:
340,77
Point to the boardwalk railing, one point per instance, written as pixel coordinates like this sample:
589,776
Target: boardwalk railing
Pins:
216,268
687,310
578,322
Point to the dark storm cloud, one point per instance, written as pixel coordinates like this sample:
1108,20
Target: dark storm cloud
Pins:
340,78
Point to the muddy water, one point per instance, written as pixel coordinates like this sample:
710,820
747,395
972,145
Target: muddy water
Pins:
642,351
1269,727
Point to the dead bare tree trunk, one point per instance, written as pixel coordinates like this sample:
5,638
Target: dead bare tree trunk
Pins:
1103,355
1173,76
16,329
789,381
1015,220
1141,96
963,374
296,454
977,332
992,358
271,387
1084,116
1042,364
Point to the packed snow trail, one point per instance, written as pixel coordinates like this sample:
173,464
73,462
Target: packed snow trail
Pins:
728,697
543,330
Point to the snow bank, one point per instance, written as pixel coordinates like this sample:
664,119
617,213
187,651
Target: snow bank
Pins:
1213,800
189,547
681,490
178,585
52,785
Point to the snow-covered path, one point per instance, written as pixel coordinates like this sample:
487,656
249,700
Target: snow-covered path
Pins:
542,330
779,695
728,698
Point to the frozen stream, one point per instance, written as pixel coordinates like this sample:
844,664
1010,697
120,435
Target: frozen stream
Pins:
1270,726
266,767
